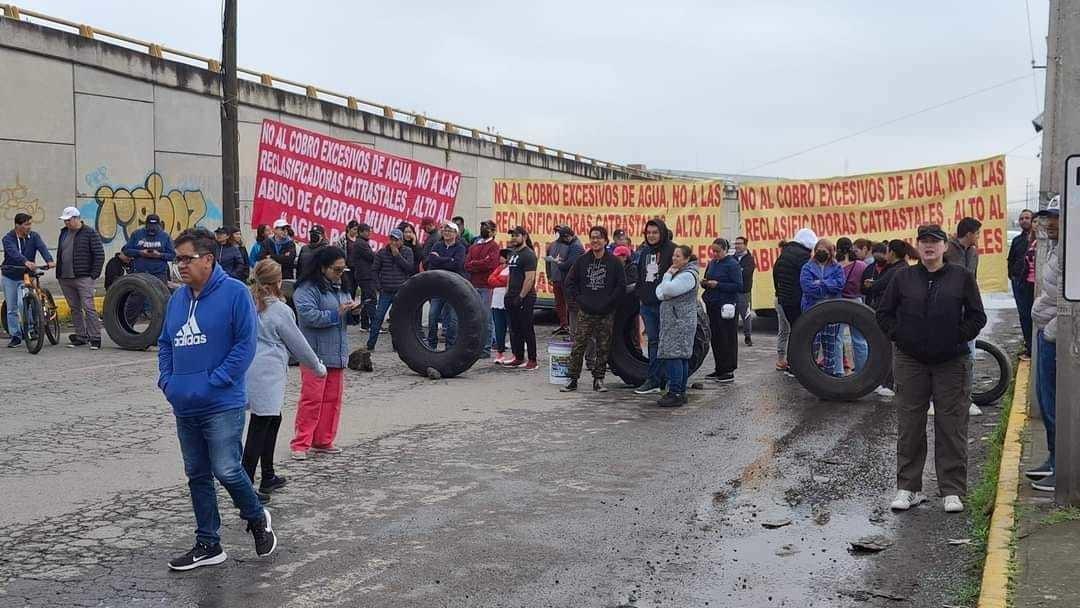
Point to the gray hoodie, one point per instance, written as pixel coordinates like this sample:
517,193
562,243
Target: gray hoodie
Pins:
278,336
1045,309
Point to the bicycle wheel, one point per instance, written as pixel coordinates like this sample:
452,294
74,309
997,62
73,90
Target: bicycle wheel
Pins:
52,318
33,323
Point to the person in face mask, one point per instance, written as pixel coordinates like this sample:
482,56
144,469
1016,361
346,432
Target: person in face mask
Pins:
480,261
151,248
316,241
822,278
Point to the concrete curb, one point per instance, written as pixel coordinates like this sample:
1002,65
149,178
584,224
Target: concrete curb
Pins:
995,579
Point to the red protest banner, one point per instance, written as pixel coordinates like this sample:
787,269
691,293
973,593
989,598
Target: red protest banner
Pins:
309,178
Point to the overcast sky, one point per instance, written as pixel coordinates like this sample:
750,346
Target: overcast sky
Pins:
710,86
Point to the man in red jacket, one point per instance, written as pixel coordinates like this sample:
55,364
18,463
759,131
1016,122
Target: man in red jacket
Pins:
481,259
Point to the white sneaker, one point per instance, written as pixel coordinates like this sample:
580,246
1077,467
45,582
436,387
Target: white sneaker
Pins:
884,391
930,412
298,455
953,504
905,500
973,410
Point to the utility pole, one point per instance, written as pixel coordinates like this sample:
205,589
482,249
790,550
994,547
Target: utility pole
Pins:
230,134
1061,137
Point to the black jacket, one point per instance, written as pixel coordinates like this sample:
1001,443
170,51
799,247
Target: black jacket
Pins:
89,253
786,273
282,253
876,291
1017,264
596,285
660,255
932,316
360,260
391,271
307,258
748,265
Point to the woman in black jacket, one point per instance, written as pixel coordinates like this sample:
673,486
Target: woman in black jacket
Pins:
723,283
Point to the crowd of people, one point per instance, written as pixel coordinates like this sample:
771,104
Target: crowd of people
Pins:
225,345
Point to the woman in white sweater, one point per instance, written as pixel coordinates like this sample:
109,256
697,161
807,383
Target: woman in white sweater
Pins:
278,337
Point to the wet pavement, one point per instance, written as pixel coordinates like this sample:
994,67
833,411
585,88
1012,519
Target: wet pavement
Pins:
492,489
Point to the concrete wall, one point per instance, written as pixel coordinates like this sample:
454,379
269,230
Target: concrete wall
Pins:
122,134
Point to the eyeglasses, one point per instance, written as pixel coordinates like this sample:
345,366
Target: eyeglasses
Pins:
187,259
337,269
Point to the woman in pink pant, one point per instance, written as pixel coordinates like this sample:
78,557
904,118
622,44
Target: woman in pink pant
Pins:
322,308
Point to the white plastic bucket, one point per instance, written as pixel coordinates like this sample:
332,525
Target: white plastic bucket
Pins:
559,366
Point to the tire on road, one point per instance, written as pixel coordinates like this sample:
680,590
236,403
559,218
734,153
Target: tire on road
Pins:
628,362
995,393
155,294
405,317
801,354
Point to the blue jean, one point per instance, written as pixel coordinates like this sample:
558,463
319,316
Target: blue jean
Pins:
501,321
211,448
858,346
650,314
1046,389
441,311
385,300
828,341
485,299
678,371
12,292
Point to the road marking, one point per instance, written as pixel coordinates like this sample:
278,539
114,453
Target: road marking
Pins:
995,580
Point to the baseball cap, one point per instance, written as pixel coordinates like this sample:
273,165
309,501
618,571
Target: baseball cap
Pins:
620,251
519,230
1053,208
932,232
70,212
317,229
397,234
363,227
565,231
153,219
451,226
281,223
427,221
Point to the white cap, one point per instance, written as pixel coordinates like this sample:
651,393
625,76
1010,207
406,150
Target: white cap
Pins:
281,223
806,238
70,212
451,225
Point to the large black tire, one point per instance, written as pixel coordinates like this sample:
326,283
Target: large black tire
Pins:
406,313
628,362
120,330
801,353
994,394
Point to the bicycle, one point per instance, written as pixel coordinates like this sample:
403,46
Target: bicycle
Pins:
36,310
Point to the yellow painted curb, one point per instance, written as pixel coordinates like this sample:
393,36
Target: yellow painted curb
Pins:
64,310
995,580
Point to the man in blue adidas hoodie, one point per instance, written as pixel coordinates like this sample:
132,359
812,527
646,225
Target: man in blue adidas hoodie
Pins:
206,345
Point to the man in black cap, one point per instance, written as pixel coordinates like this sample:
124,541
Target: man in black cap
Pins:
151,248
316,240
560,257
521,298
228,255
931,311
360,259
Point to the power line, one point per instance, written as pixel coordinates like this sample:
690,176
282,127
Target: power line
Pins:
1031,44
1028,141
889,122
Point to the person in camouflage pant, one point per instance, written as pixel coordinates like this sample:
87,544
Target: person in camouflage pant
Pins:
596,282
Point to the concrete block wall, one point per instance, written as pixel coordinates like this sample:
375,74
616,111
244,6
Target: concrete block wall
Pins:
122,134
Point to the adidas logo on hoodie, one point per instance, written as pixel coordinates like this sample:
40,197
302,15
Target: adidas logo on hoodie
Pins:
190,334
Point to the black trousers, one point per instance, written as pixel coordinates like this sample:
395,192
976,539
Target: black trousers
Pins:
792,312
522,331
259,447
369,295
725,339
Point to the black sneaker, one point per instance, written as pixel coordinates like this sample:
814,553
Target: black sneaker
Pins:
713,375
748,341
672,400
264,497
75,340
1046,484
598,385
274,483
725,378
570,387
1043,470
648,388
265,539
95,344
15,342
200,555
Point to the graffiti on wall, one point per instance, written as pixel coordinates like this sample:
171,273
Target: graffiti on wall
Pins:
122,211
15,199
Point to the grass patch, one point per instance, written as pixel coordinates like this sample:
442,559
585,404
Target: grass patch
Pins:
981,506
1061,516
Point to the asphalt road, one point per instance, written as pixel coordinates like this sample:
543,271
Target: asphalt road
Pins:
492,489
